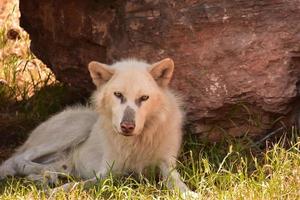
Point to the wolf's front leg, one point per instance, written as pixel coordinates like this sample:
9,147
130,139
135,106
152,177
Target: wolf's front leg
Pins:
172,177
173,180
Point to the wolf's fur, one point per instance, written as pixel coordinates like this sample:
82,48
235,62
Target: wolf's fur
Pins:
89,141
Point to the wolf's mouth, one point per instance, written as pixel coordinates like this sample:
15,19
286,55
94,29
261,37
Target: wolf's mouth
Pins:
126,134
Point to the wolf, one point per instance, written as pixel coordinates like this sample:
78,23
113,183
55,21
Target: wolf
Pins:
134,121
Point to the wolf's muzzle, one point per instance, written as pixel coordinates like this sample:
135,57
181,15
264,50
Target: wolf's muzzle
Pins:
128,122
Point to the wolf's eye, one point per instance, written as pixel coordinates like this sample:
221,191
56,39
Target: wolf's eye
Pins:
144,98
118,95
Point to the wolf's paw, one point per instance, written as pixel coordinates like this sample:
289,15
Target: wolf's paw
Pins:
190,195
5,171
46,178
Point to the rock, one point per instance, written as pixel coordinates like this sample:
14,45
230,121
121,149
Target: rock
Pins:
13,34
237,62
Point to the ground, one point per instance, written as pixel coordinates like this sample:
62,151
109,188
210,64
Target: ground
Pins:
232,168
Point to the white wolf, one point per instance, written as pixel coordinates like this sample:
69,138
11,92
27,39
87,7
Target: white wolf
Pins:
135,121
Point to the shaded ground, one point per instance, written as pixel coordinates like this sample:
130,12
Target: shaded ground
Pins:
13,134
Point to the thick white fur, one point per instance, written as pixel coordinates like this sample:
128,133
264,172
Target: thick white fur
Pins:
87,141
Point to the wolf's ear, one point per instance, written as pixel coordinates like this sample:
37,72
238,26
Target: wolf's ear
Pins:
162,71
100,73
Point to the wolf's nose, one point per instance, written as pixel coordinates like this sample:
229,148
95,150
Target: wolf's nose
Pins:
127,127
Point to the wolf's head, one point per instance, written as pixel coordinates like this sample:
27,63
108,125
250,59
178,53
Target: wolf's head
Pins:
129,92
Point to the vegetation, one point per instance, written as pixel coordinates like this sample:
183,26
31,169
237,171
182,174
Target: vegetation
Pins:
223,170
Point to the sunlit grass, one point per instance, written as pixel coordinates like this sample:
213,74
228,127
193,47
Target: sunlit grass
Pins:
221,170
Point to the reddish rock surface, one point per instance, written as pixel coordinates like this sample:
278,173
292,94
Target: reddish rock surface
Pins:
237,62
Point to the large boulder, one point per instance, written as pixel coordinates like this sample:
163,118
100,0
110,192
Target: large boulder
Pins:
237,62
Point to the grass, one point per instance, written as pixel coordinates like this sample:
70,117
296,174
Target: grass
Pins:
229,169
